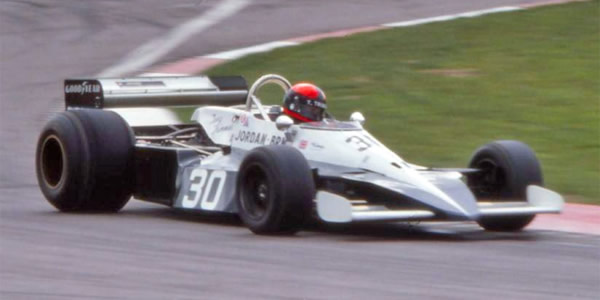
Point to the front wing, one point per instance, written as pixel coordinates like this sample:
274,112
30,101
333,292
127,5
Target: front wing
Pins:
337,209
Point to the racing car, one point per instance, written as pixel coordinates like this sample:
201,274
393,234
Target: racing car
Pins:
242,157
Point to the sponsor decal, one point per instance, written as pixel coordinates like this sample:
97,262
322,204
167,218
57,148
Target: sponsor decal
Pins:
317,146
217,123
246,136
303,144
82,88
316,103
139,83
243,119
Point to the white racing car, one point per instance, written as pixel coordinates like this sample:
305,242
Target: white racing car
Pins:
242,157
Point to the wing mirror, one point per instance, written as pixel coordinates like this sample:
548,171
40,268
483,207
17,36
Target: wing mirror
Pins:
283,122
357,117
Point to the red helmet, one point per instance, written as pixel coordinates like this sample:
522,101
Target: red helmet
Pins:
305,102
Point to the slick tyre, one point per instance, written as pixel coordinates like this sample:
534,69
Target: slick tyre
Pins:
84,161
508,168
275,190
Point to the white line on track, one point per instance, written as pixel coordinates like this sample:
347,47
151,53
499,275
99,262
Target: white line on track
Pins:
150,52
241,52
470,14
237,53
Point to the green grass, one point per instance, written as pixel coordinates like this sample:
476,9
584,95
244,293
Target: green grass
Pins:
530,75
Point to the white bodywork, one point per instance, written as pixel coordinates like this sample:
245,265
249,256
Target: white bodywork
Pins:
347,144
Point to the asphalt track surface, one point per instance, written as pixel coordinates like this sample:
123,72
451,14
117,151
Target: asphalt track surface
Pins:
151,252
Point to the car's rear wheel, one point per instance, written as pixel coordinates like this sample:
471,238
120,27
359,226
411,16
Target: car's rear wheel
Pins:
507,168
84,161
275,190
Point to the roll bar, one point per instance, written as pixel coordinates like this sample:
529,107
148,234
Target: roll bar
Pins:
260,82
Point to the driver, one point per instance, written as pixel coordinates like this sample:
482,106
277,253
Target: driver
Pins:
305,102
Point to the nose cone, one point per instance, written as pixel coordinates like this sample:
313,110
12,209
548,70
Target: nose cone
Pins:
458,194
463,209
444,193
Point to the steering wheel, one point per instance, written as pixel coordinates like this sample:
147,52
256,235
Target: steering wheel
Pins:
260,82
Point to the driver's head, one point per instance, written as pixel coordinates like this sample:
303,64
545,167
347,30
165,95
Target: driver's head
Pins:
305,102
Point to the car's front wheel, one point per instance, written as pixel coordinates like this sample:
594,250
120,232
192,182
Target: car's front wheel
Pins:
275,190
507,168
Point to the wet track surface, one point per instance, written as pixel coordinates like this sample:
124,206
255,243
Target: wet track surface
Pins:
152,252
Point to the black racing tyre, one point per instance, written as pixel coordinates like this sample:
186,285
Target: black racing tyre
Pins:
508,167
84,161
275,190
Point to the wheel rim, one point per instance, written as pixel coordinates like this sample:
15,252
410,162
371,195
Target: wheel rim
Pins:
490,182
52,161
255,193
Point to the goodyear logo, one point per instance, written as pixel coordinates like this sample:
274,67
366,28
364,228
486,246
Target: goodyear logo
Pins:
82,88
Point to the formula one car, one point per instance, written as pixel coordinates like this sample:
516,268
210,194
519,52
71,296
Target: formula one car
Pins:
245,158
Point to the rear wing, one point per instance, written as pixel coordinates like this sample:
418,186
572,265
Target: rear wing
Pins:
155,92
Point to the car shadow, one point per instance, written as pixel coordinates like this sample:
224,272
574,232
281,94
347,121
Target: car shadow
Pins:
447,231
182,215
434,232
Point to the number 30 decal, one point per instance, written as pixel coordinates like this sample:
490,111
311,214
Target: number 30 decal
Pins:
198,179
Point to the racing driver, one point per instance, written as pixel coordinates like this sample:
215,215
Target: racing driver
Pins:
305,102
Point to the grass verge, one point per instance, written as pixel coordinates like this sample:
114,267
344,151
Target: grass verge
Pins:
436,92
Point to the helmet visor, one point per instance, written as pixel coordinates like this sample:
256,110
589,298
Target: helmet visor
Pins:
311,112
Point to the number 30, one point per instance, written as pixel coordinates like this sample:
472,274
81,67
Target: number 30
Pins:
198,177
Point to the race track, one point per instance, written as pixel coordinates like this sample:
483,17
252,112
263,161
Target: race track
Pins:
152,252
